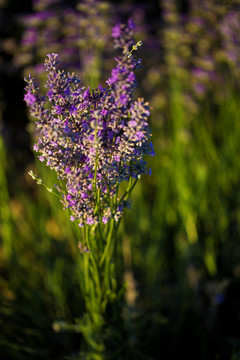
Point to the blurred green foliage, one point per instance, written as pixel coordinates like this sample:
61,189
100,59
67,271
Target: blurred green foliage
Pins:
179,245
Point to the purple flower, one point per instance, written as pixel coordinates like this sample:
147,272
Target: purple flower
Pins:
30,98
84,195
73,110
131,24
93,139
59,109
50,94
104,219
41,158
123,99
131,77
116,31
114,76
90,221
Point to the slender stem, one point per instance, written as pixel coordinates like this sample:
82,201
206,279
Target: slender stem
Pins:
108,244
86,265
96,191
99,227
128,191
95,271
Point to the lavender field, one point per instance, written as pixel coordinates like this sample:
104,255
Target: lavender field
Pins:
119,180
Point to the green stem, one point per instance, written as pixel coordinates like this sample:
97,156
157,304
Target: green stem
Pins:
108,244
95,270
86,266
128,191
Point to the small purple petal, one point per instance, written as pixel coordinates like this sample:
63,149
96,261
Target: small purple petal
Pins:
30,98
116,31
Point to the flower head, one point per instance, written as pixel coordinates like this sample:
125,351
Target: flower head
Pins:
95,139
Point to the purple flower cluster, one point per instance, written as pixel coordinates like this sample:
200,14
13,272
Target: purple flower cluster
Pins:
198,52
78,30
93,139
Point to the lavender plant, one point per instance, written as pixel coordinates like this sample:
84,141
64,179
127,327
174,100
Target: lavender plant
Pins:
72,30
95,140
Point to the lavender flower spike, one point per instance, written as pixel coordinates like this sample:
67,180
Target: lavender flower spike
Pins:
94,139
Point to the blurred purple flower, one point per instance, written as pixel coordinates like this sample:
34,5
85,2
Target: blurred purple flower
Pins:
29,98
116,31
